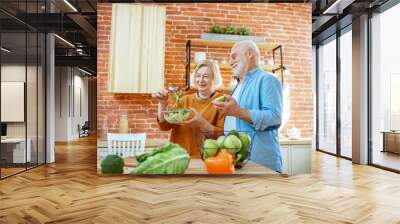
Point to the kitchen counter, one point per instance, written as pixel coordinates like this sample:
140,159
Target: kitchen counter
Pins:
153,143
296,158
150,143
300,141
196,166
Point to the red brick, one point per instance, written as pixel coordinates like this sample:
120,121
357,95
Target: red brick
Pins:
286,24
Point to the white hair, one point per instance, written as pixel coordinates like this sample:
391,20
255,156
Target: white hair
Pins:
249,45
213,65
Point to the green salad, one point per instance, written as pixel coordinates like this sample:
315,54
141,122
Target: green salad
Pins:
177,115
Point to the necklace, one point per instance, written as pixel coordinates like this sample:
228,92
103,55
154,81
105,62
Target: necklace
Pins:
205,98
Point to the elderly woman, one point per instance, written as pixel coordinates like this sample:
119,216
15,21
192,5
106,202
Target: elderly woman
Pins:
206,78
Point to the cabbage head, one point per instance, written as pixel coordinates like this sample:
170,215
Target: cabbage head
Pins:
112,164
169,159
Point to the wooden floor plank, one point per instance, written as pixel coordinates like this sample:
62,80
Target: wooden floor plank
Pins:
70,191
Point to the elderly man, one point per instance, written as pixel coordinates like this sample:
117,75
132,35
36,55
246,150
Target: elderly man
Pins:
255,105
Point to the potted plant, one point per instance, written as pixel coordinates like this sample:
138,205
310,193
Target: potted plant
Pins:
216,29
230,30
244,31
230,33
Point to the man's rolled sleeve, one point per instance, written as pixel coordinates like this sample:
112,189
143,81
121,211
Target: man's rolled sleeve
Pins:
270,114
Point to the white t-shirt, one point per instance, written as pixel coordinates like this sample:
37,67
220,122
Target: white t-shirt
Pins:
230,122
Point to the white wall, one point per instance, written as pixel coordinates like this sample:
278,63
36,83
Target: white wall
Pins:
314,92
33,127
62,81
17,73
71,93
14,73
50,95
80,100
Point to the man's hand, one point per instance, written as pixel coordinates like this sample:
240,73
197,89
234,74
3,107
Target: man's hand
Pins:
231,108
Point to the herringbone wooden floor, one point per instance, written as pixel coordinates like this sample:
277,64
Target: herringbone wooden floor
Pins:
70,191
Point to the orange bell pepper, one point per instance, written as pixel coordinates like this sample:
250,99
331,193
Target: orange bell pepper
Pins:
222,163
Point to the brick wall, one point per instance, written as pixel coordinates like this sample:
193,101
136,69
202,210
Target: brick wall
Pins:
285,24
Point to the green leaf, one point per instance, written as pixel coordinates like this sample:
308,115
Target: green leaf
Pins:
173,161
161,149
215,29
229,30
243,31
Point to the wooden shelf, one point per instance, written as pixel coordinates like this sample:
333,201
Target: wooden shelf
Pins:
268,68
227,44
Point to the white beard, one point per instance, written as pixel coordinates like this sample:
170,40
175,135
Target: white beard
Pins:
238,69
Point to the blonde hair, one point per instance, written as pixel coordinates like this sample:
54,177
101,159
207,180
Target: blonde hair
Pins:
213,65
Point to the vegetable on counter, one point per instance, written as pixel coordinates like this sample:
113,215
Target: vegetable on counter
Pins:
165,148
234,132
235,143
244,151
210,148
245,139
220,141
220,164
232,144
168,159
112,164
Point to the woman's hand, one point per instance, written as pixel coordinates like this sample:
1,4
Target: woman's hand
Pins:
198,121
162,97
195,120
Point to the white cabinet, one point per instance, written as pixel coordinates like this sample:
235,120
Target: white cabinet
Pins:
19,154
296,158
285,161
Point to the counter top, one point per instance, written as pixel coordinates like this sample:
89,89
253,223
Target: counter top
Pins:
196,166
150,143
300,141
153,143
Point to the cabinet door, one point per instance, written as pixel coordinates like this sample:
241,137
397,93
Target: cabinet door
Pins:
285,159
301,159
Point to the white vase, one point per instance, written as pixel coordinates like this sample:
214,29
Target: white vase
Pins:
293,133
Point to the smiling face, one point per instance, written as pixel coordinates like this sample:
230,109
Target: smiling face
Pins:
239,62
204,79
